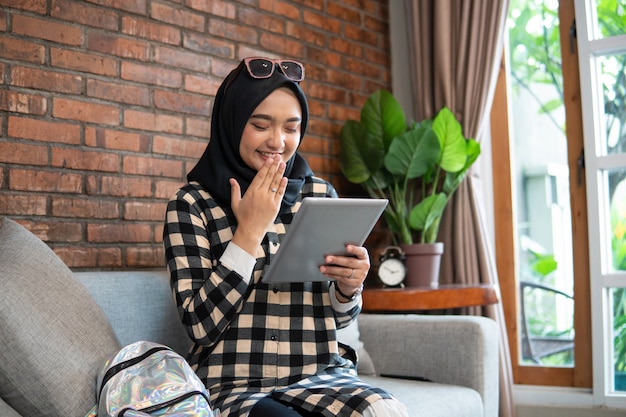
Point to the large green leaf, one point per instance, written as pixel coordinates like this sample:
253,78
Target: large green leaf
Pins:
361,154
448,129
454,179
413,153
383,117
427,214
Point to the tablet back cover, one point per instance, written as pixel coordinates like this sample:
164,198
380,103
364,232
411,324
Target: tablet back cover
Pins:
322,226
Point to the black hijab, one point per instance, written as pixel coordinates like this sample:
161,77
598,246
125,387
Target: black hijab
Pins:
235,101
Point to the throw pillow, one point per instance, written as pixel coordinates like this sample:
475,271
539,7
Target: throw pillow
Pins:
54,336
351,336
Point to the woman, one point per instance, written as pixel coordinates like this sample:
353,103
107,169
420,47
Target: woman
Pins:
263,350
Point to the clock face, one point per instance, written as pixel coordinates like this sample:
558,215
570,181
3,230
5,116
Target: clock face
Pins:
392,272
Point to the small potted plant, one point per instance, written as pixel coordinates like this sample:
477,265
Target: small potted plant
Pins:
416,166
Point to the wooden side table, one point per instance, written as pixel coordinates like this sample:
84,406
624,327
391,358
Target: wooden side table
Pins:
406,300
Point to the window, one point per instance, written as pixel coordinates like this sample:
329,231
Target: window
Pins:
540,200
602,58
593,60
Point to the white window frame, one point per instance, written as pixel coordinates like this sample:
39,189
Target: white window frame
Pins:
591,47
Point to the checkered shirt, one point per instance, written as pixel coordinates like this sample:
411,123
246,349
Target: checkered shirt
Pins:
254,339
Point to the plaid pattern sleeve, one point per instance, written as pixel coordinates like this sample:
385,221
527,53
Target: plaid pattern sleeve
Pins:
254,339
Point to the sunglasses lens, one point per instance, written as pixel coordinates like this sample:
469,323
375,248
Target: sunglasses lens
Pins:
260,67
293,70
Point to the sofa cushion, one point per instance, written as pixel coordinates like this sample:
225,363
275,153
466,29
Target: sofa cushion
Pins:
6,410
146,312
350,336
431,399
54,336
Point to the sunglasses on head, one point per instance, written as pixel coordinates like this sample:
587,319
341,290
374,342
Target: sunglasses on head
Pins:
264,68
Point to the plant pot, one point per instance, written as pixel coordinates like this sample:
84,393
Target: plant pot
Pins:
423,261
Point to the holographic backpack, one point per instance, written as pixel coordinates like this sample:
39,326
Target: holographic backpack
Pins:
149,379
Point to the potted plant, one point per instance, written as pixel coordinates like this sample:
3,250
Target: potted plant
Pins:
416,166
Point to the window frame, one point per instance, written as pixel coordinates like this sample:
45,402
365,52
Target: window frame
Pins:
590,47
581,374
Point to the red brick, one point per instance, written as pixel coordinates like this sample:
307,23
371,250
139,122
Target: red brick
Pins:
112,44
147,29
84,208
261,20
343,13
49,181
310,35
233,31
166,189
135,6
48,30
19,50
84,14
158,234
151,75
85,160
282,8
119,232
1,178
345,47
177,16
116,139
328,24
43,130
178,147
142,257
23,154
23,204
153,122
81,61
55,231
202,85
281,46
22,103
359,34
140,210
182,102
3,21
119,186
119,92
327,93
324,59
342,113
214,7
199,127
37,6
152,166
90,257
210,45
181,59
312,144
85,111
378,24
42,79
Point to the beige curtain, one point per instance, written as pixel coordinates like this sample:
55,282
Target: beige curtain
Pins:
455,48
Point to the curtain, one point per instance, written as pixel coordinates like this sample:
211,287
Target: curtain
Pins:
455,49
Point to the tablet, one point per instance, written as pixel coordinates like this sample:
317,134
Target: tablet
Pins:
322,226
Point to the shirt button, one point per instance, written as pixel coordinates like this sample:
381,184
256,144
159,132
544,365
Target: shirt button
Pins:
274,337
275,244
275,289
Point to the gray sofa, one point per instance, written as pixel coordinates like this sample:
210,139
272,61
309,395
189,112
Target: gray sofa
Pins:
57,326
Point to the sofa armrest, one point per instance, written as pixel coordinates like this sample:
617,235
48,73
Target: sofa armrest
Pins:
7,411
450,349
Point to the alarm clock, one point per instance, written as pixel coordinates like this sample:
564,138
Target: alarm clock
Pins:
392,267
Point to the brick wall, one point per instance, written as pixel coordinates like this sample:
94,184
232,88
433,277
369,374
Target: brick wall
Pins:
105,105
